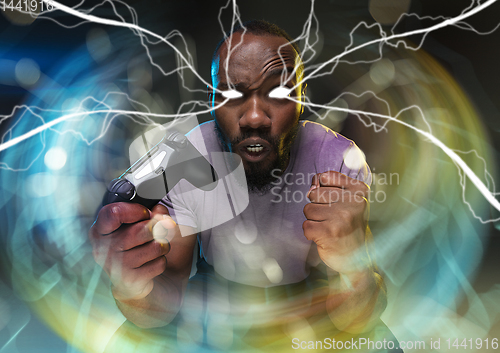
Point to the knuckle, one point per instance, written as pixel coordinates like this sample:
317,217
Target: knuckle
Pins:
106,211
307,226
120,246
308,209
107,215
113,211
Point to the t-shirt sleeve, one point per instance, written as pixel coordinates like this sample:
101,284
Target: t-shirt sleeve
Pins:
340,154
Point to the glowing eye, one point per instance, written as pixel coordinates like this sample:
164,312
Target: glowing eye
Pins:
231,94
280,92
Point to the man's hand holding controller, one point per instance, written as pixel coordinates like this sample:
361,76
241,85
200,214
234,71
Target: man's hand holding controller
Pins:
130,243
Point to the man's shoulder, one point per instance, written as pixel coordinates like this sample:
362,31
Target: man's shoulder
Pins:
312,133
330,151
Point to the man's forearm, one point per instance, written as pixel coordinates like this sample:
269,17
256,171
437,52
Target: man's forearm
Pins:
157,309
355,302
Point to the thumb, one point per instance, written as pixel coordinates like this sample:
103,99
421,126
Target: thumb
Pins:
165,229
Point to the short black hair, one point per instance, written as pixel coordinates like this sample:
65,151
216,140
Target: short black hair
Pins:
259,28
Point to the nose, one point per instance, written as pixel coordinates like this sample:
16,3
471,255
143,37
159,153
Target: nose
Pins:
255,114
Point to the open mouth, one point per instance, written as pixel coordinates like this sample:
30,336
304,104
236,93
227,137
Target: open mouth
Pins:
254,149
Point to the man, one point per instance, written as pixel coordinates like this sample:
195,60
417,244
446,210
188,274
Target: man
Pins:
273,244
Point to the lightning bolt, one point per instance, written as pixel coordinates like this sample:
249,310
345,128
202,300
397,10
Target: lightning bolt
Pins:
116,112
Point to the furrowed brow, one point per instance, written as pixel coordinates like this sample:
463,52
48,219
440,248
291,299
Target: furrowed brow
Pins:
279,72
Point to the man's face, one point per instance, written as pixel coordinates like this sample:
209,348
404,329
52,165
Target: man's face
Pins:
256,124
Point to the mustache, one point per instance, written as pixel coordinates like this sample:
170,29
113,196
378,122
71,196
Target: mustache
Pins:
265,135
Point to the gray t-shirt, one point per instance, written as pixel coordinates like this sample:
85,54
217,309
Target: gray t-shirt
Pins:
257,239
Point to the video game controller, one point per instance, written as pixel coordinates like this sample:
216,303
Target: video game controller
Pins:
149,179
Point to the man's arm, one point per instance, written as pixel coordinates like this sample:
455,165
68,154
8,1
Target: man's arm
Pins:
134,247
337,221
356,301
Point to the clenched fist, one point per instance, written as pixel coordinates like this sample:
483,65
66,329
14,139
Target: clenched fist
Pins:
130,243
337,218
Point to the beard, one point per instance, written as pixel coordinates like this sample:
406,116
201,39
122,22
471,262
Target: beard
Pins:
259,175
